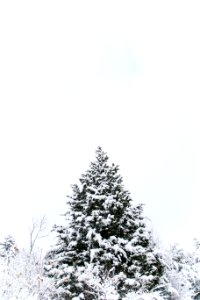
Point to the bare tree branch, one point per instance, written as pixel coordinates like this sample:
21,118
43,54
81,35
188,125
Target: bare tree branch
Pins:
37,231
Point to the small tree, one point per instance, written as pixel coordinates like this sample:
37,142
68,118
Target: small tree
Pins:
37,231
23,278
103,229
8,247
21,270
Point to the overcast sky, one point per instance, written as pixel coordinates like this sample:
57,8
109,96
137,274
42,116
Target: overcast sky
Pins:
120,74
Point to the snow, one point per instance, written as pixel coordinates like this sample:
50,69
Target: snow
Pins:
118,249
129,247
144,296
107,250
93,253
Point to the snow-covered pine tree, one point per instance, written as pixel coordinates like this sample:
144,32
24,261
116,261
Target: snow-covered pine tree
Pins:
104,230
8,247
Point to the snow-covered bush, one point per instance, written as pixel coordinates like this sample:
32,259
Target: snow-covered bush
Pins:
182,273
22,278
143,296
106,287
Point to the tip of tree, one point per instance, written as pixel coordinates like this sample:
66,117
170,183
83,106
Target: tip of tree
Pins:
99,149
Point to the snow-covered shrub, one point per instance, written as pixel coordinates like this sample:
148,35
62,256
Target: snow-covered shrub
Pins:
182,273
143,296
22,278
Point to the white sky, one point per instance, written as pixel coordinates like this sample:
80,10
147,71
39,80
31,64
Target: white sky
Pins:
120,74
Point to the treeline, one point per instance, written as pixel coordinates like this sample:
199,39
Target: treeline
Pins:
106,250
